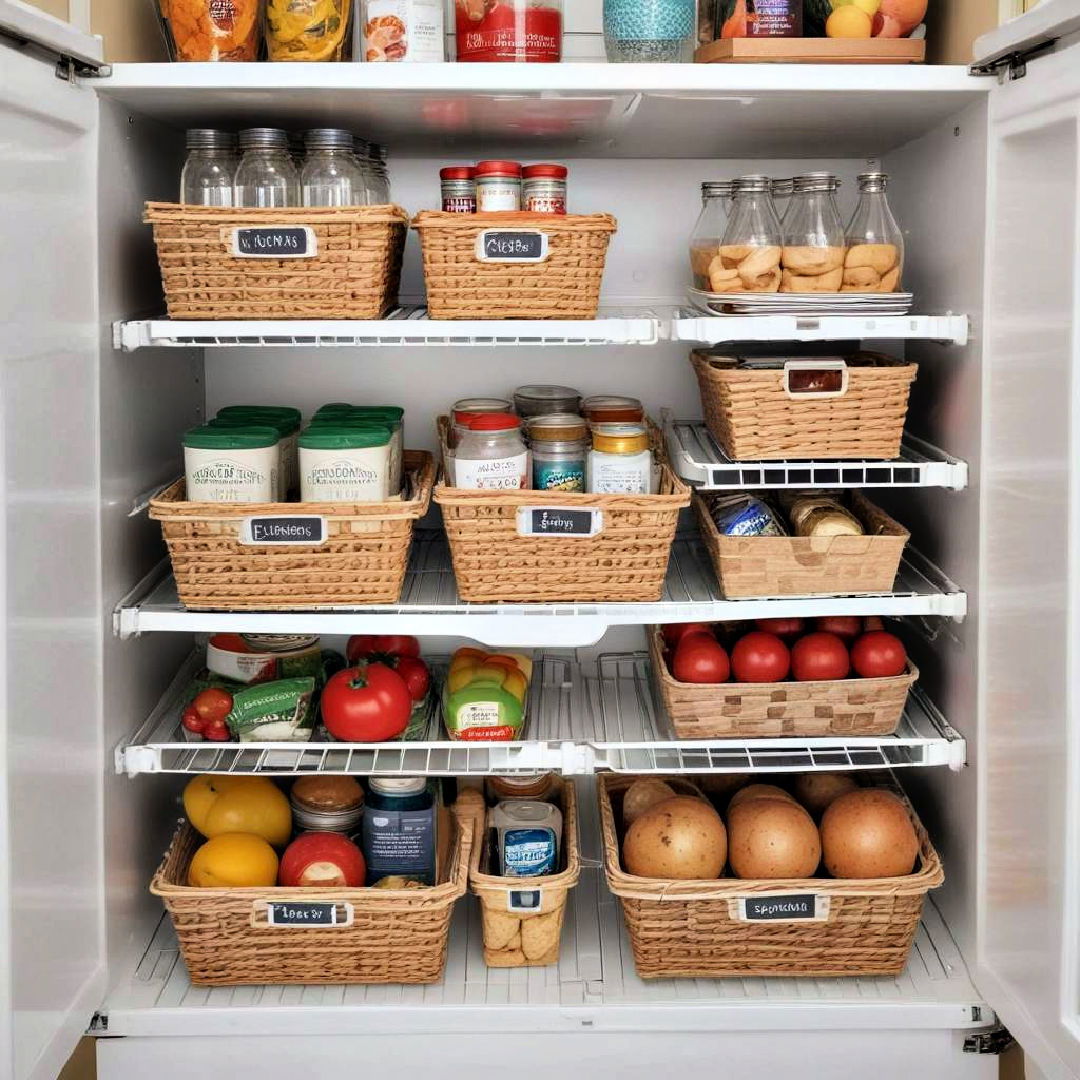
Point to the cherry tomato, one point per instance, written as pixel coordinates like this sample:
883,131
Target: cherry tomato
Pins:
672,633
760,657
700,658
363,645
879,655
216,731
366,703
787,629
416,675
191,720
819,656
213,704
848,627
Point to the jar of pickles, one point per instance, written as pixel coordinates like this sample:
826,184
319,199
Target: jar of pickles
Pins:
875,245
709,231
813,255
750,252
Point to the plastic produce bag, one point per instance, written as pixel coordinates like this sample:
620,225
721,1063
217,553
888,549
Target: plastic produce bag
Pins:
201,30
306,29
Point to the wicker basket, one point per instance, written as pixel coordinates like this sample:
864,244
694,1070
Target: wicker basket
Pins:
695,929
382,935
807,565
625,561
523,917
353,275
362,561
753,417
563,285
857,707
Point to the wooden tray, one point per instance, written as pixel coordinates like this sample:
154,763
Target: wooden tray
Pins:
812,51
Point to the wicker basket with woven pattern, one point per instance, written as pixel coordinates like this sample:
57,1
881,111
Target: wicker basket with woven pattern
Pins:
362,561
694,929
753,417
354,274
381,935
857,707
563,285
807,565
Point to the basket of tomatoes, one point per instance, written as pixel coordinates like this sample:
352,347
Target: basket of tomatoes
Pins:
837,675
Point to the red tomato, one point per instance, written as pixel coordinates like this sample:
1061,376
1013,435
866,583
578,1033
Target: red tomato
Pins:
700,658
848,627
673,632
819,656
415,673
322,860
213,704
366,703
191,719
879,655
760,657
361,645
782,628
216,730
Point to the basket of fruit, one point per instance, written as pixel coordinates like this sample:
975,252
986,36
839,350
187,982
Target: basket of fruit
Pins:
746,893
843,676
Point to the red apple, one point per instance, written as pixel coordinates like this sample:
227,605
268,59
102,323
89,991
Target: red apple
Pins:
322,860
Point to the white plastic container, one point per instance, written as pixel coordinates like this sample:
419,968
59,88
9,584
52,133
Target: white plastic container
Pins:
234,465
345,464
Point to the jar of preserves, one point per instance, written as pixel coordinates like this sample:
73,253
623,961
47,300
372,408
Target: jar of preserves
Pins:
332,176
558,444
813,255
709,230
613,409
750,252
508,31
875,245
266,175
498,186
545,400
543,189
491,455
458,184
207,176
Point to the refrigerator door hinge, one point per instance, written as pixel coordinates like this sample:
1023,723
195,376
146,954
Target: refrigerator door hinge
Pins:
70,69
99,1024
995,1040
1011,65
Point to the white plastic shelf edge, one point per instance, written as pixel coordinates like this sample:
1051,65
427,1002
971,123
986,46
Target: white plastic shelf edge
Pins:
691,325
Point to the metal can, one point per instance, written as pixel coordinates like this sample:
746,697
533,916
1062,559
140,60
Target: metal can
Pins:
498,186
458,189
543,189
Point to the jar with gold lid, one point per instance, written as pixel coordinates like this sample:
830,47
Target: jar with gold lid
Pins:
620,461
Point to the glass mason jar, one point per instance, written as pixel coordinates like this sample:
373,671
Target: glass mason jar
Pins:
709,230
332,176
875,254
813,256
380,172
266,175
511,31
207,176
649,31
750,252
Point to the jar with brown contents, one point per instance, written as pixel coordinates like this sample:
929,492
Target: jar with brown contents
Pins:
813,256
749,257
709,229
875,254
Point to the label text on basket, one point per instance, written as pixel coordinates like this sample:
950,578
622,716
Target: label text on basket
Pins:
558,521
275,242
309,530
525,900
297,914
792,907
511,246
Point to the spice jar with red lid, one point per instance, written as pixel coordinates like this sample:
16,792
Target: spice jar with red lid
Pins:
458,189
498,186
543,189
492,455
509,31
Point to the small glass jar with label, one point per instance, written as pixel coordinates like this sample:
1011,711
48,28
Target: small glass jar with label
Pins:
458,184
498,186
543,189
558,445
491,455
620,461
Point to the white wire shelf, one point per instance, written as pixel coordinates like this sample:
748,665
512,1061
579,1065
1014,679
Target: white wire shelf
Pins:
633,734
403,326
429,604
689,324
578,722
593,986
698,459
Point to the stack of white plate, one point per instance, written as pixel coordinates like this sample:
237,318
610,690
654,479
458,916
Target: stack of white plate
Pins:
847,303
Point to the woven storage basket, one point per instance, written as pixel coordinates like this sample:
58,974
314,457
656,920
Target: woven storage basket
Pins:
384,935
626,560
362,561
354,274
693,929
774,710
517,938
564,285
753,417
807,565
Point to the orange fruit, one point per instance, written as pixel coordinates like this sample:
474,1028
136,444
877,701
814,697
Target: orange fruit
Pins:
238,804
233,860
848,21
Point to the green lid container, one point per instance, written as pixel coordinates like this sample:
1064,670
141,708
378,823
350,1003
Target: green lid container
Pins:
250,437
333,408
280,424
286,411
391,413
344,437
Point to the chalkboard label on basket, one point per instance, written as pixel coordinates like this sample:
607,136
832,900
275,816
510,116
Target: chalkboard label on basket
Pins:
275,242
525,900
301,914
308,530
511,246
792,907
558,521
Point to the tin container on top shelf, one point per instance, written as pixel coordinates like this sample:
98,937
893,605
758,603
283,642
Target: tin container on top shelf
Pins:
875,245
813,256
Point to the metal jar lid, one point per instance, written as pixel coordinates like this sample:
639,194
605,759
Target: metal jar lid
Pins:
398,785
210,139
717,189
264,139
328,139
557,428
815,181
873,181
753,184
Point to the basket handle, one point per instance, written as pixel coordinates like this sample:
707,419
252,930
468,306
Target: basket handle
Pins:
813,365
301,914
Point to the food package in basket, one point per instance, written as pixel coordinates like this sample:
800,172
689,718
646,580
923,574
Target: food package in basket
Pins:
201,30
485,695
310,30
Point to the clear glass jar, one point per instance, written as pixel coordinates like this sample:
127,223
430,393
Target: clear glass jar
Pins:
649,31
457,184
266,175
461,412
332,176
207,176
491,455
781,195
380,171
546,400
750,252
813,256
709,230
875,256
